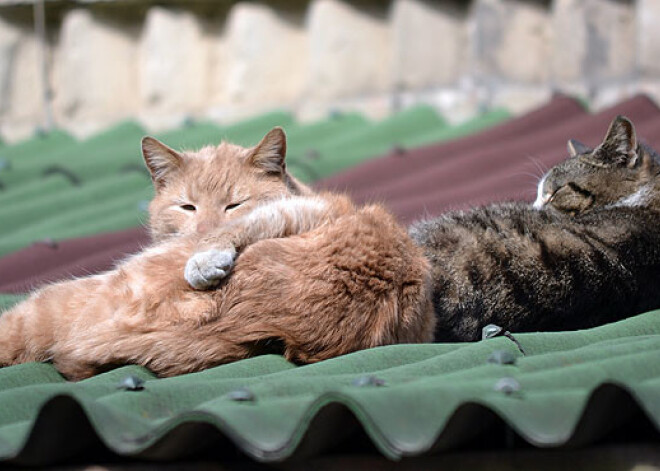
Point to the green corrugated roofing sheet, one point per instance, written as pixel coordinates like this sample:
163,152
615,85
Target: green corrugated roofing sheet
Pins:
36,146
34,189
97,156
568,389
248,132
412,127
34,210
119,212
353,146
302,140
490,118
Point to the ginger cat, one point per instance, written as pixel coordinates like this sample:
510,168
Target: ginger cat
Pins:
313,274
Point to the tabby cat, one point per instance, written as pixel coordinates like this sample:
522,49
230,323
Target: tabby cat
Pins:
311,273
587,252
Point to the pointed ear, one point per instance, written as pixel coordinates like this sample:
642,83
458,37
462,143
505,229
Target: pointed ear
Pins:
576,148
619,148
161,160
269,154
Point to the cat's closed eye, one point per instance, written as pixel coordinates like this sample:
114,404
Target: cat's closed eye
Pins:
572,198
232,206
188,207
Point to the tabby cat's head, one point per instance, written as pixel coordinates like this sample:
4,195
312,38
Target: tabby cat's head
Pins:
618,172
198,191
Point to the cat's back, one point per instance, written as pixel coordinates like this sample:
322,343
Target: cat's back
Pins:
360,271
515,238
359,242
528,269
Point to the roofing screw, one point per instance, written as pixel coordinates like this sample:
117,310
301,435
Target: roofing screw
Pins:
367,380
312,154
131,383
49,242
490,331
241,395
398,150
188,121
5,164
507,385
501,357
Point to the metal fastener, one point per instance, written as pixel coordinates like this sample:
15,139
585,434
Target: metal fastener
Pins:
367,380
490,331
398,150
241,395
131,383
507,385
49,242
501,357
312,154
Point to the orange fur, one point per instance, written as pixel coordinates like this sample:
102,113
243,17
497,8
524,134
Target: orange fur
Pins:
320,279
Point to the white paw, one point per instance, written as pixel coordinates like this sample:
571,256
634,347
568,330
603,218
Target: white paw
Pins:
204,270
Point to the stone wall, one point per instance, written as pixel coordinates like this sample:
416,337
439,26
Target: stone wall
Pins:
167,62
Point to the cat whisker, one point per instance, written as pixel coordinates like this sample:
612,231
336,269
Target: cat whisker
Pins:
533,182
526,174
539,165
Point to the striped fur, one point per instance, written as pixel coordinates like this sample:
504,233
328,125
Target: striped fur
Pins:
586,253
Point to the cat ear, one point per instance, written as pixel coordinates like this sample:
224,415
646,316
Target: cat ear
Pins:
160,159
576,148
619,148
269,154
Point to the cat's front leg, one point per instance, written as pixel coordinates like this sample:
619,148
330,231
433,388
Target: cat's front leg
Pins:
280,218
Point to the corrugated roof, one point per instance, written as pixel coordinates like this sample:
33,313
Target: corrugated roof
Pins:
56,188
568,389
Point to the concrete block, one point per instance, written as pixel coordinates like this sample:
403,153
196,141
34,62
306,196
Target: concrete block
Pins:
520,98
21,84
94,72
510,41
429,43
648,37
594,40
456,104
266,56
349,50
174,68
375,107
219,60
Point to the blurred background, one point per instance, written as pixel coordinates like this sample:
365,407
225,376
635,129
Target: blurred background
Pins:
83,65
425,106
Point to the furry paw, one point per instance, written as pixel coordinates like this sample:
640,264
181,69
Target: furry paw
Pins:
204,270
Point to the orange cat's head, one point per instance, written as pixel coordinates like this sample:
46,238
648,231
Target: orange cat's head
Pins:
197,191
